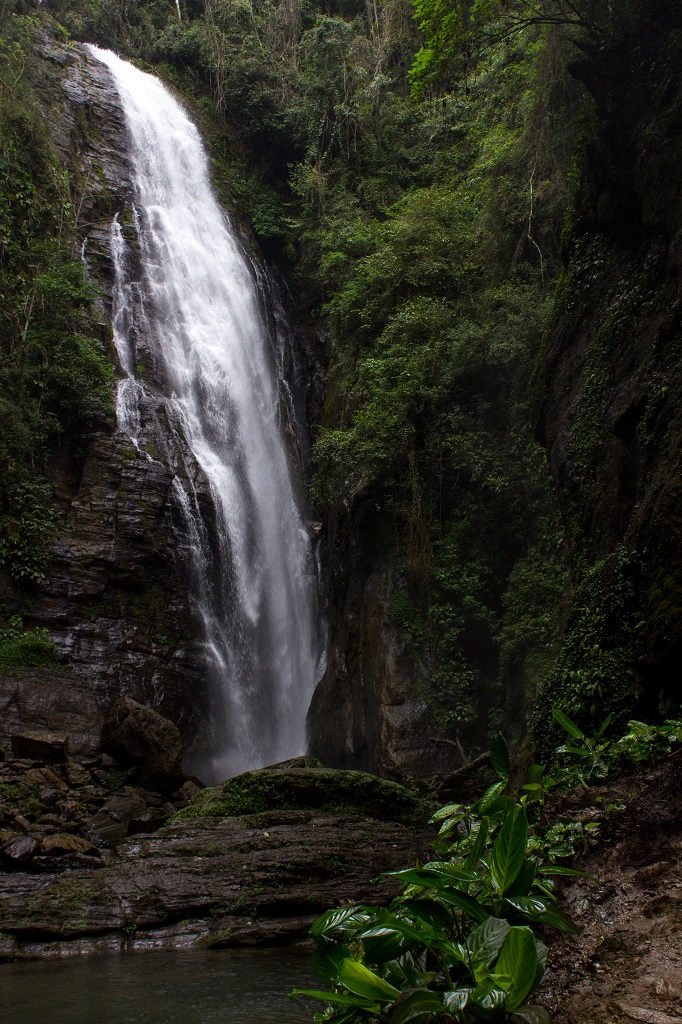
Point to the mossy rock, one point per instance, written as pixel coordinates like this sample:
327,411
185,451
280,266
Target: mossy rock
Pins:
327,790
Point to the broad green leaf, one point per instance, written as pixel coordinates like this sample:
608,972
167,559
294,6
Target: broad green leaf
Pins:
429,912
327,958
527,905
557,869
401,925
488,996
567,724
499,756
485,942
415,1004
445,812
445,867
542,953
532,1015
491,794
450,826
363,982
456,1000
509,850
411,876
382,944
338,997
519,960
478,845
467,904
333,919
525,878
568,748
455,952
431,872
557,919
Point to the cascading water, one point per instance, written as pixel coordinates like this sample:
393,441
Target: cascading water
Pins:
198,307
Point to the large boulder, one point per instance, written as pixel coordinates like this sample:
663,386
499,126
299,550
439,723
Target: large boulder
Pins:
140,737
308,785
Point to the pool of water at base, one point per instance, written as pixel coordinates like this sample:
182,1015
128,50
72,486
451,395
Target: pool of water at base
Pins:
218,987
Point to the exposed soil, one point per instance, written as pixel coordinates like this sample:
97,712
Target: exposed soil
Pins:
627,963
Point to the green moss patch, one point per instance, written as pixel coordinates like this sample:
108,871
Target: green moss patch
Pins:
323,789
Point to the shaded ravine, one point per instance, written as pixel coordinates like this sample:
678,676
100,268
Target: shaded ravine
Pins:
215,408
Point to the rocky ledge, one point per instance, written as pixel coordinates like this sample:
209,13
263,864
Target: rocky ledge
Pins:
253,861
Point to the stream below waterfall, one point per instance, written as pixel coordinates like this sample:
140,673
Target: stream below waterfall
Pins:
219,987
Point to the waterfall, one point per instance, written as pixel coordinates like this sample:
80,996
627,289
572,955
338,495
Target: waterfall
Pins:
217,401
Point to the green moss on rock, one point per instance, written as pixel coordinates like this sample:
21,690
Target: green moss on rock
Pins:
310,788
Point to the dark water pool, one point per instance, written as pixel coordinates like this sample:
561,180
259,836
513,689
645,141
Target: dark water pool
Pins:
226,987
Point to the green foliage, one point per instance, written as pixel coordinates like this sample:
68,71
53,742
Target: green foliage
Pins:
458,32
594,757
308,788
28,648
460,938
55,379
595,673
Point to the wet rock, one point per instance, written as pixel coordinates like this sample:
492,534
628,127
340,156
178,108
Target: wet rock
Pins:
187,790
150,821
50,700
8,946
112,822
45,777
64,842
77,775
240,880
137,735
309,788
40,746
19,850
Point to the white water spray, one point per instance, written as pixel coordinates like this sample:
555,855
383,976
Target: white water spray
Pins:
252,566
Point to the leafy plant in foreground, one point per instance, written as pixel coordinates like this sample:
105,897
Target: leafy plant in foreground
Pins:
459,942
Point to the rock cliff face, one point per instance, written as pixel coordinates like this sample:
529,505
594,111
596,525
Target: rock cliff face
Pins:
115,601
609,390
368,712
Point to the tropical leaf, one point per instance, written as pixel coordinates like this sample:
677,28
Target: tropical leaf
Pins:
557,919
327,959
445,812
509,850
525,878
342,917
488,995
467,904
499,756
362,982
527,905
518,960
382,944
478,845
456,1000
429,912
415,1004
558,869
567,724
489,797
485,942
338,997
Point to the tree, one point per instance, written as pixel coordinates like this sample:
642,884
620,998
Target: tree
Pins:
457,32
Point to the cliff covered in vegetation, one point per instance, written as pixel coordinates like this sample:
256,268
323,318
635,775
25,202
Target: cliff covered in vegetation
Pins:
432,234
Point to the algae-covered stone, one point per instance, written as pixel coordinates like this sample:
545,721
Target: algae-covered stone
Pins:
310,788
